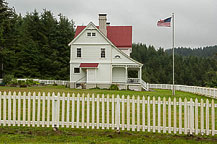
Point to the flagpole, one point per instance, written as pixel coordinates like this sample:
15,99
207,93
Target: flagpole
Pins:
173,39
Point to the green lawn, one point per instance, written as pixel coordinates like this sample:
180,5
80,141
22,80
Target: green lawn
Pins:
68,135
64,135
61,89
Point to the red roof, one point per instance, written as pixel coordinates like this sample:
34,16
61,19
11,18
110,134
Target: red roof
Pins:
89,65
120,36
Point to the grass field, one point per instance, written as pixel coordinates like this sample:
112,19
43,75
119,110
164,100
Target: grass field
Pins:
64,135
61,89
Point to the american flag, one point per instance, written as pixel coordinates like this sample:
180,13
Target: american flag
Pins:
164,23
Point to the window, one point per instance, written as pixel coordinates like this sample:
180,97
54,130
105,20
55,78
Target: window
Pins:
76,70
93,34
102,53
117,57
79,52
88,34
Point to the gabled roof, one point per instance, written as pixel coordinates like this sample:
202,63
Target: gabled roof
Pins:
91,24
120,36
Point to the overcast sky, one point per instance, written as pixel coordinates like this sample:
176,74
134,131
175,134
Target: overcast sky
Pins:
195,20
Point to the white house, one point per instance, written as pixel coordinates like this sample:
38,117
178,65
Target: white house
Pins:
100,56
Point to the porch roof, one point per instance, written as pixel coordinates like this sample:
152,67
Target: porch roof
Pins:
89,65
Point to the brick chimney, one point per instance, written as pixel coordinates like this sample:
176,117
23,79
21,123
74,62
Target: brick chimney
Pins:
102,24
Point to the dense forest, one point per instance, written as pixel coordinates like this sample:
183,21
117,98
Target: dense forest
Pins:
189,70
210,51
36,46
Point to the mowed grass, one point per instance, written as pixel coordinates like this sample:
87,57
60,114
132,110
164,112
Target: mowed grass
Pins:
69,135
62,89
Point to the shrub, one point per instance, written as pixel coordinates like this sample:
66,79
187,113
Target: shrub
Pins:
114,87
13,82
7,78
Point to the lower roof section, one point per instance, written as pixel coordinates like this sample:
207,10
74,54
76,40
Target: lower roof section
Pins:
89,65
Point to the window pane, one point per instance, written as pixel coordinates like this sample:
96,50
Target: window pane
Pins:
78,52
102,53
76,70
88,34
93,34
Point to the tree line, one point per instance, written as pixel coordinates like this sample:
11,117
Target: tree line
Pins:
189,70
209,51
36,46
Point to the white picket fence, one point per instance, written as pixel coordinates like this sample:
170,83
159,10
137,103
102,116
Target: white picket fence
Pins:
58,82
105,112
209,92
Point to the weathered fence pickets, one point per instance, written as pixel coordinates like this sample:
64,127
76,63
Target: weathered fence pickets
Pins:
209,92
104,111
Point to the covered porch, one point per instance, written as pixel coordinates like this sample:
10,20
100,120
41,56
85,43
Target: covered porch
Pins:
126,74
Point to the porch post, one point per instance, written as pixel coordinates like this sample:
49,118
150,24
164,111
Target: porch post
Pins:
126,73
140,74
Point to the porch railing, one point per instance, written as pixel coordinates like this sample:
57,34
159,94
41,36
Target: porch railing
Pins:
133,80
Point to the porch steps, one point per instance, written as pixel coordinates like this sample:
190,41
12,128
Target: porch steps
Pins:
145,85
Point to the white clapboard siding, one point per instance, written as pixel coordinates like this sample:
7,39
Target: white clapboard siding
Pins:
100,112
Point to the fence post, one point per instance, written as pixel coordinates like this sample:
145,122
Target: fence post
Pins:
153,104
164,115
133,113
123,113
196,116
213,117
128,112
97,111
180,116
185,116
174,109
202,116
143,113
117,115
159,115
207,117
169,115
55,111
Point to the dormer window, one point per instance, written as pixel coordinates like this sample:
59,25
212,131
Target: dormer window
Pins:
88,34
93,34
